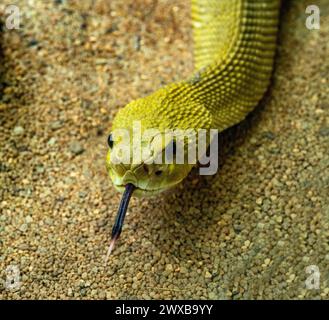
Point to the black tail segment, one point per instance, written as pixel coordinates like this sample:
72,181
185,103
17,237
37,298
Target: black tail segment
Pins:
116,230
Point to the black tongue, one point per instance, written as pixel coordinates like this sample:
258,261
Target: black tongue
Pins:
116,230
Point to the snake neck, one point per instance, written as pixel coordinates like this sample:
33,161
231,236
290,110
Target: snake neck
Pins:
235,43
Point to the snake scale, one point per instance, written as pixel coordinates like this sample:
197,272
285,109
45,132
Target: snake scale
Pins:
234,49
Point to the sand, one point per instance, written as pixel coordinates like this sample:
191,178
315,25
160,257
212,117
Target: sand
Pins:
249,232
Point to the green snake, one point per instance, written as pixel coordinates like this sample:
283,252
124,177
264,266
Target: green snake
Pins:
234,49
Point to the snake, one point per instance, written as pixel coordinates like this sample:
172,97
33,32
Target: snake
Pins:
234,50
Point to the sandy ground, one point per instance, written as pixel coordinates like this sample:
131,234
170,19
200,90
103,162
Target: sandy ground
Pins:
248,232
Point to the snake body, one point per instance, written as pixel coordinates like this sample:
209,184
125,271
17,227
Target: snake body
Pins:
234,48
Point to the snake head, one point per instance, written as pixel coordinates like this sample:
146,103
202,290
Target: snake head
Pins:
148,163
142,138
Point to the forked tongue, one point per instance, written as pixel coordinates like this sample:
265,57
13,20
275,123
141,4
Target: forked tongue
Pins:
116,230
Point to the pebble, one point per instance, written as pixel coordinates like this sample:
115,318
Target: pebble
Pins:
28,219
18,130
56,125
212,296
76,147
139,275
51,141
324,131
169,268
23,227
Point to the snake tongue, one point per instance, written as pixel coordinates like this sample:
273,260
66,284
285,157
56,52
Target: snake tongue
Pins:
117,227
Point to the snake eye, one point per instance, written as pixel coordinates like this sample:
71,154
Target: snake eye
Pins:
110,141
158,172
